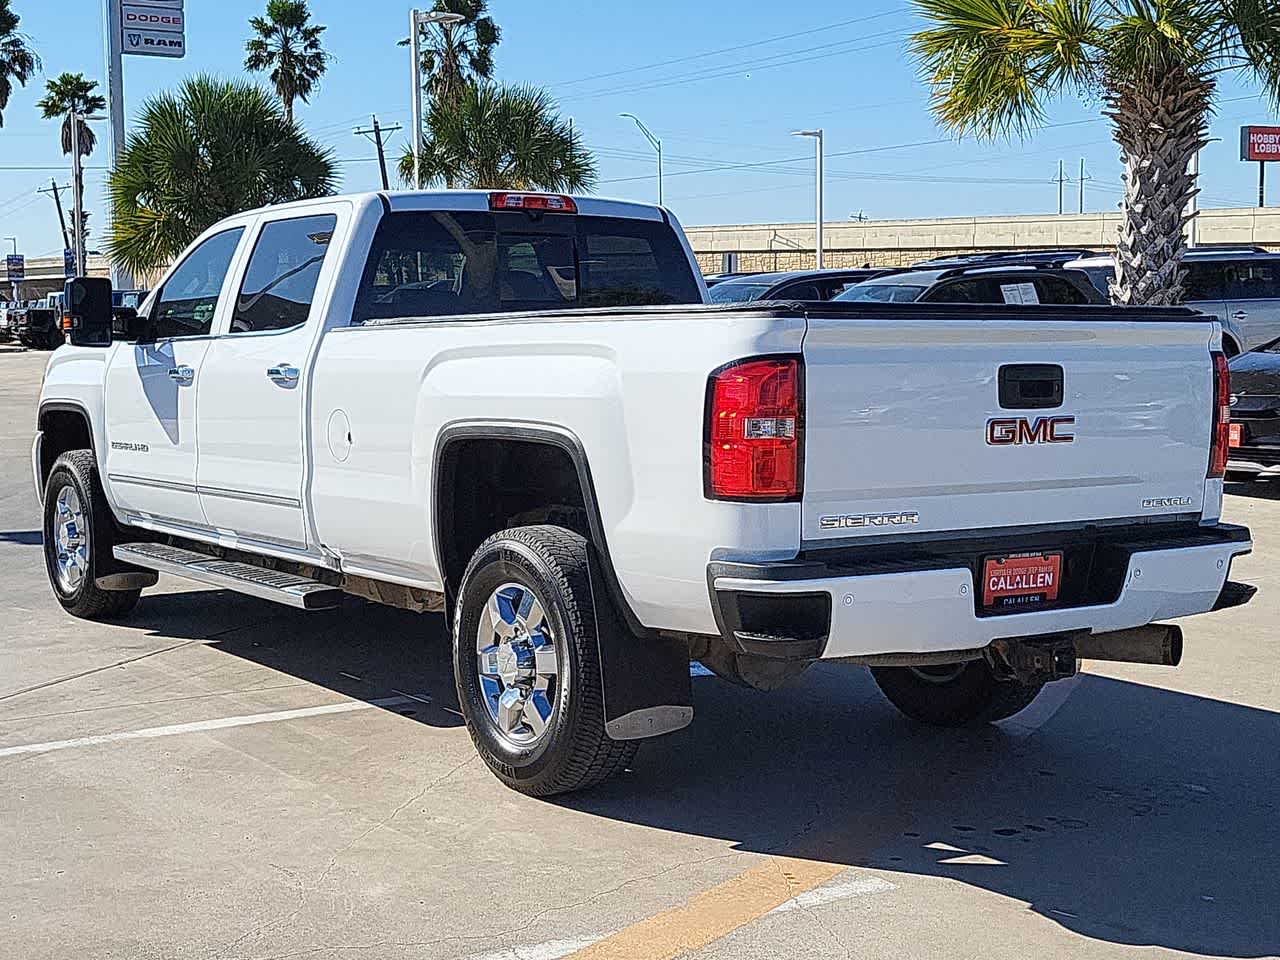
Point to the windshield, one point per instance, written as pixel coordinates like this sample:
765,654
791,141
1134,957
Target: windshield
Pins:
882,293
738,292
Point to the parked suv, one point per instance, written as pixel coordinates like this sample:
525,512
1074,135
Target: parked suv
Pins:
981,284
790,285
1240,286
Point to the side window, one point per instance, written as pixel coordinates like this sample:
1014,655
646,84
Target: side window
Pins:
798,291
1253,280
1058,290
429,265
280,281
1205,281
185,306
961,291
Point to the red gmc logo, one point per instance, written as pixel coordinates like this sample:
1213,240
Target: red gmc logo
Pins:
1010,431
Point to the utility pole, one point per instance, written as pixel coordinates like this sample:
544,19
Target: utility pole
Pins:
375,133
1194,234
1061,178
57,200
1083,177
121,277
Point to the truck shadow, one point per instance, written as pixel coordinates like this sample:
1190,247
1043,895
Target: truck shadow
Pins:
1134,816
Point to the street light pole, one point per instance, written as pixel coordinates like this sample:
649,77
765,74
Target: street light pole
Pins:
817,139
419,19
653,142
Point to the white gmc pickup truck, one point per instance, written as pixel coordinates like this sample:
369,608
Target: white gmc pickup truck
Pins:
517,409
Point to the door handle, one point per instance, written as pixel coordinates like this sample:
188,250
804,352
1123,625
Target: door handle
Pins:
1240,315
181,373
283,373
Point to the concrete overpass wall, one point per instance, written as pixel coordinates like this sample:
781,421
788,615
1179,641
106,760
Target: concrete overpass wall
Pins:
894,243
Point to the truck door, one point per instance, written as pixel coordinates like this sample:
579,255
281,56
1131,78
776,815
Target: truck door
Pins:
151,389
253,393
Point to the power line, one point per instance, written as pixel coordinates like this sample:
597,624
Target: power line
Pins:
715,53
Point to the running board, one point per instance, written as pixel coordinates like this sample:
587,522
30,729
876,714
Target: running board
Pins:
292,591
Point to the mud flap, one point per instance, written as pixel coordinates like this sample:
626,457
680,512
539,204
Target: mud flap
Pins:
645,680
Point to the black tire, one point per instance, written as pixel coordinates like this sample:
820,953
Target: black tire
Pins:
78,470
954,695
574,752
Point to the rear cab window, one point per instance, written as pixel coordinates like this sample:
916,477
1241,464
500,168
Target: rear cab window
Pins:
442,263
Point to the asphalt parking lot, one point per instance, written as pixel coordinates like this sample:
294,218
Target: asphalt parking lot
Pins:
215,776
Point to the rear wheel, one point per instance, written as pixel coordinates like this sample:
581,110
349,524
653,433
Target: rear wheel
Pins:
526,662
954,694
78,537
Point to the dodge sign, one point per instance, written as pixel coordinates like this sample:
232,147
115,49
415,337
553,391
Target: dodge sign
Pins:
152,28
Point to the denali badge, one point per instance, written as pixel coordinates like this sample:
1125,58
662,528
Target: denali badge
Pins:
1008,431
842,521
132,447
1155,503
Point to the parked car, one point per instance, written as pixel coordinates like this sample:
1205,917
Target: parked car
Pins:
790,285
1240,286
1044,258
128,298
597,477
711,279
1254,438
6,308
38,325
979,284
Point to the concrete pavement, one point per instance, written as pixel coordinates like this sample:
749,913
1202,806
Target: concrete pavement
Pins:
215,776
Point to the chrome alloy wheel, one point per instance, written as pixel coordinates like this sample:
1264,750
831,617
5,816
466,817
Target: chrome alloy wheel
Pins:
520,671
70,540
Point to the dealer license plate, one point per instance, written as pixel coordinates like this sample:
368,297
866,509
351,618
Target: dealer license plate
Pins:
1235,434
1021,579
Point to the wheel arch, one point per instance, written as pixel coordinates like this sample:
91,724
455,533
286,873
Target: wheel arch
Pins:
63,425
454,525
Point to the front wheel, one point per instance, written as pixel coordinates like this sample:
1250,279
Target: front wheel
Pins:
954,694
527,663
78,539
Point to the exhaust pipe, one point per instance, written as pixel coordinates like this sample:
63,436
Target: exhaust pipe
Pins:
1158,643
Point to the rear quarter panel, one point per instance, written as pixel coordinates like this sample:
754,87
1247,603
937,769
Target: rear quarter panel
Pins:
630,389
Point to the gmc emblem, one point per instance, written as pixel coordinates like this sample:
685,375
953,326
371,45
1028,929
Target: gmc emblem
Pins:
1009,431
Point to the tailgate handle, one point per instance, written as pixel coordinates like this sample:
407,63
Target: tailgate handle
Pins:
1030,386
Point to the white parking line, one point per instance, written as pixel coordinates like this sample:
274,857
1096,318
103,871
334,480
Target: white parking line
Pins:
855,886
203,726
551,950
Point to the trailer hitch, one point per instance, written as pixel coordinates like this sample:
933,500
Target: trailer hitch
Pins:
1033,659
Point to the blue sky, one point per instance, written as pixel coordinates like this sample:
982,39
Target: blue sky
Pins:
722,85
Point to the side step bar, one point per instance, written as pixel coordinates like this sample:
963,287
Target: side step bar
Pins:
260,582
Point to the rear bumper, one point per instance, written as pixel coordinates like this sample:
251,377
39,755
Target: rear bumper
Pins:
837,607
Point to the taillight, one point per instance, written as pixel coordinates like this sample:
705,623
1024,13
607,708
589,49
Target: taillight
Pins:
755,430
544,202
1221,417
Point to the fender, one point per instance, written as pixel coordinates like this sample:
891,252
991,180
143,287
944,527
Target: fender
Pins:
644,675
39,468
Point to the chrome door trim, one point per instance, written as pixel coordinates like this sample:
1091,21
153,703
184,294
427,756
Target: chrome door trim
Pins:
147,482
250,497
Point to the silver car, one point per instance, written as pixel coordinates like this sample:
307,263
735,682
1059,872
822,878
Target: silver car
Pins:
1240,286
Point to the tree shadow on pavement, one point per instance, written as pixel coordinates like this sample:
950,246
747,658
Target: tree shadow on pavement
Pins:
26,538
1135,815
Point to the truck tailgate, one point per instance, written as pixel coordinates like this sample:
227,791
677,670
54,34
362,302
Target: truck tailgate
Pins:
905,432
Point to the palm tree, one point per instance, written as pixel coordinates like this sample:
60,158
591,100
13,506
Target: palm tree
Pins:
454,55
68,93
211,149
289,46
501,137
996,64
17,60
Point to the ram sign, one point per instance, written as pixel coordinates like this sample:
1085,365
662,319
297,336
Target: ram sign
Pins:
153,28
1260,143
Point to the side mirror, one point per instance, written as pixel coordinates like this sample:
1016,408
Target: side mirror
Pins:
88,311
129,325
